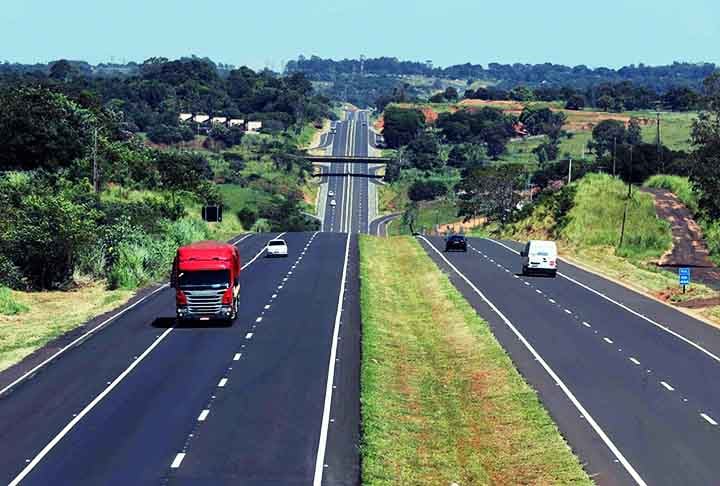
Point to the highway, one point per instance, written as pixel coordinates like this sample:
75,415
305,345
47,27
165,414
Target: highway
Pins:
273,399
631,383
350,214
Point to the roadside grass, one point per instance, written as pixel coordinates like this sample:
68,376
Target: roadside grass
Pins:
597,212
680,186
441,401
9,306
49,315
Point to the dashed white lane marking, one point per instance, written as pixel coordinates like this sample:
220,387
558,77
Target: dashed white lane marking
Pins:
178,460
526,283
222,382
586,324
203,415
538,291
628,309
516,276
259,319
596,427
568,311
267,306
274,296
708,418
285,279
667,386
552,301
237,357
608,340
634,361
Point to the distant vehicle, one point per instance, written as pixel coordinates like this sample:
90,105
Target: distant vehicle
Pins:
539,256
276,248
333,203
456,243
206,278
331,194
332,130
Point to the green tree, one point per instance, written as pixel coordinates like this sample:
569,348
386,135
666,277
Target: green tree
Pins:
606,135
490,191
705,171
634,132
401,126
575,102
182,171
450,94
41,129
424,152
467,156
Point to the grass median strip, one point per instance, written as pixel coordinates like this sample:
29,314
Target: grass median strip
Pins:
441,401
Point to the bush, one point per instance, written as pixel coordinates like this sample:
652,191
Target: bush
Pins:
261,226
426,190
8,305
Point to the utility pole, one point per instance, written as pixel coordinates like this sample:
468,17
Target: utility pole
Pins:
622,226
96,185
661,162
614,153
570,171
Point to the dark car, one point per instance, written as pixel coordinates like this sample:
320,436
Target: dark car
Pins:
456,243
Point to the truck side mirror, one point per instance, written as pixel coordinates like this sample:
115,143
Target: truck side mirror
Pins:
523,253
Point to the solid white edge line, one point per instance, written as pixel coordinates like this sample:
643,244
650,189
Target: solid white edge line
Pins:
178,460
93,330
45,450
598,430
708,418
53,442
320,460
623,306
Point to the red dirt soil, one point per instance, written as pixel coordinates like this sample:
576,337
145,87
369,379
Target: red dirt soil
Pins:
689,248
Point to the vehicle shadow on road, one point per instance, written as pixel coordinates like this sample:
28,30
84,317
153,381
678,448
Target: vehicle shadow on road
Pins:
168,322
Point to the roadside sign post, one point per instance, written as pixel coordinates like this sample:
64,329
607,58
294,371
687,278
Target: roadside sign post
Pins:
684,276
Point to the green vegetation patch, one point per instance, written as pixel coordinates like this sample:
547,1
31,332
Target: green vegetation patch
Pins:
441,401
9,306
680,186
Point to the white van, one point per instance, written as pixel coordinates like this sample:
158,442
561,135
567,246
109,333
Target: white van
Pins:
539,256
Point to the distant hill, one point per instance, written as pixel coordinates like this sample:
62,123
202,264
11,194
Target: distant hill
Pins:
658,78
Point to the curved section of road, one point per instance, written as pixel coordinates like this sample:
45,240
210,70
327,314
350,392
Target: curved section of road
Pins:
648,412
378,226
145,402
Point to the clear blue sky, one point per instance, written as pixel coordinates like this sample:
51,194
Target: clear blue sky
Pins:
262,33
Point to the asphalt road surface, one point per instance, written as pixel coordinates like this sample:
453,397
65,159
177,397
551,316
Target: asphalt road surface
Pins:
631,382
273,399
350,214
378,226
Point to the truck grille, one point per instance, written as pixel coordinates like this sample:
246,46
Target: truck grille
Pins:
204,301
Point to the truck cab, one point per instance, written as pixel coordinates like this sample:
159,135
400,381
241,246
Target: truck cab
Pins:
206,278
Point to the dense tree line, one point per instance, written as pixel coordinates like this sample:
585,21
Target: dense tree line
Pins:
658,78
150,100
616,97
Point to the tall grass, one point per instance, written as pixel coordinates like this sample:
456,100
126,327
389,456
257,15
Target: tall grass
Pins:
596,217
680,186
146,259
8,305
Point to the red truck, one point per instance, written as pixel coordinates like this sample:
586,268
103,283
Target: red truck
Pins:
206,278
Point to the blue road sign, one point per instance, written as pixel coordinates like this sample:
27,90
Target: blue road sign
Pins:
684,275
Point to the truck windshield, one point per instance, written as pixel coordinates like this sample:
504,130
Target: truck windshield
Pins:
217,279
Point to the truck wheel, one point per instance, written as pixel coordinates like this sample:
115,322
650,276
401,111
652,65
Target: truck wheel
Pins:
234,314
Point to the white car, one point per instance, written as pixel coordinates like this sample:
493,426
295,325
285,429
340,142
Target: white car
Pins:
276,248
539,256
331,194
333,203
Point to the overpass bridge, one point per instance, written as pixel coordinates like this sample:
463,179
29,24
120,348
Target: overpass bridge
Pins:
348,159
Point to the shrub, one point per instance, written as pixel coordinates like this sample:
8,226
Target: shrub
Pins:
8,305
426,190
